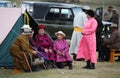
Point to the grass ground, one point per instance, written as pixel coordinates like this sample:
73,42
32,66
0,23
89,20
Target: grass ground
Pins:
103,70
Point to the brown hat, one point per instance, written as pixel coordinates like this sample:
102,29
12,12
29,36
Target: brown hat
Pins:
110,6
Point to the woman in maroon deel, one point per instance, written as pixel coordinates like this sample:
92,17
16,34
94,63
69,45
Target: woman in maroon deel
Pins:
44,43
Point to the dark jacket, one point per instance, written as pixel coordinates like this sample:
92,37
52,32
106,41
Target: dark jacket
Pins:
115,18
114,41
98,32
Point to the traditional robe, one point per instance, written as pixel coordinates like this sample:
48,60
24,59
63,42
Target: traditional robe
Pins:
43,42
62,46
114,41
87,47
79,20
20,46
99,39
115,19
107,15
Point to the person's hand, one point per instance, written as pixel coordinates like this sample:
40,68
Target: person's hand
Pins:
50,50
58,52
34,52
63,54
82,33
46,50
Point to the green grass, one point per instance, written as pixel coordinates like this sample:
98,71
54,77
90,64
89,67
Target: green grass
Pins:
103,70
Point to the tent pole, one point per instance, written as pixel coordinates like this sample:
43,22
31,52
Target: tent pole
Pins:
103,3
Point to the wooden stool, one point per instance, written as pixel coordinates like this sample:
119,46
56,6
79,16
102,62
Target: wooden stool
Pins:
113,54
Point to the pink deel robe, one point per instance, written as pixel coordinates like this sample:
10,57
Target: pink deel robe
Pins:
44,42
87,47
62,46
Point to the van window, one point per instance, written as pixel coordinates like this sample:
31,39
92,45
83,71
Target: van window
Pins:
66,14
53,14
3,5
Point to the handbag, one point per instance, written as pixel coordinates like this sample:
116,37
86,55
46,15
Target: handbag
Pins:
38,61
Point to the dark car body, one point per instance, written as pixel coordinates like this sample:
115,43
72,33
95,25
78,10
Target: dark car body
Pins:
56,17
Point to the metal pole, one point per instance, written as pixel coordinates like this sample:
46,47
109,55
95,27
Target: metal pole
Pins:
103,3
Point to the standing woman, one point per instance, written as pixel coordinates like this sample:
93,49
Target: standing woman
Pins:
87,47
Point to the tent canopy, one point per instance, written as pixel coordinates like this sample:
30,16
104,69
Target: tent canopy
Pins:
11,21
11,24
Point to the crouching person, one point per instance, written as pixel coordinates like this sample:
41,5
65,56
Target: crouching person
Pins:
21,51
62,50
113,42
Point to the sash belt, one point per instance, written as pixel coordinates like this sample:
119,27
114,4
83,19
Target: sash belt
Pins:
78,29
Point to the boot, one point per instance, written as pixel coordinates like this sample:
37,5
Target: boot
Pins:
92,66
100,59
53,64
60,65
87,65
46,63
74,57
70,65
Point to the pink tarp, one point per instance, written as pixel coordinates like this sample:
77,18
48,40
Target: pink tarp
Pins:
8,17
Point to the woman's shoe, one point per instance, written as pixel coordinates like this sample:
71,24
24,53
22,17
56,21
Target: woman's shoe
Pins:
74,57
87,65
70,68
70,65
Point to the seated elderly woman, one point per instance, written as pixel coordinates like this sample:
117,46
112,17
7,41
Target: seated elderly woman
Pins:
20,49
62,50
45,45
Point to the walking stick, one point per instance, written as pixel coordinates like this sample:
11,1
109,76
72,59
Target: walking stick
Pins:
27,62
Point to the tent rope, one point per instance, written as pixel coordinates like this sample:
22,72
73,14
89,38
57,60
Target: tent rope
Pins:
27,18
